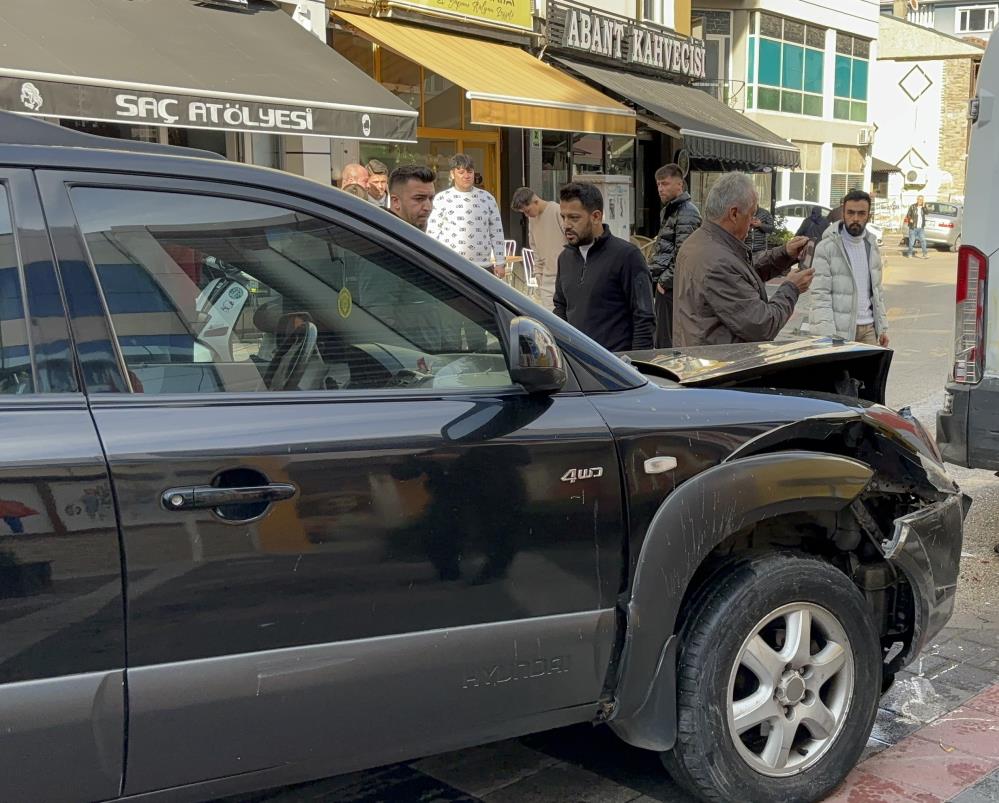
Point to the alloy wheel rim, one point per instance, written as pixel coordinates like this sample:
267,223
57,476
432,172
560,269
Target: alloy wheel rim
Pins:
790,689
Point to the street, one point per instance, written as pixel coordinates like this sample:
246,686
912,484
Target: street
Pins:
949,699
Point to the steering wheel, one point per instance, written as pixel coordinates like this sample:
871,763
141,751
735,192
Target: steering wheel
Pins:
292,353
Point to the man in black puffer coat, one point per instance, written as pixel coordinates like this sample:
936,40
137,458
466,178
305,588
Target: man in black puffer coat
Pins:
680,218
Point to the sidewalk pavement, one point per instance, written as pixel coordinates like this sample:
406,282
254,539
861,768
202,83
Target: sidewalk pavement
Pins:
936,739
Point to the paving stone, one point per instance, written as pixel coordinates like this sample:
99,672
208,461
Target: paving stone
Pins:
966,651
988,637
862,787
874,746
987,701
891,728
962,676
564,783
928,766
967,729
481,770
985,791
926,662
395,783
600,750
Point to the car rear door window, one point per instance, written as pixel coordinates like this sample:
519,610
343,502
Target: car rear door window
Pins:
16,374
212,294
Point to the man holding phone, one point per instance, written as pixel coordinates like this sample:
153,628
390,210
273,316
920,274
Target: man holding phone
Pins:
720,292
847,294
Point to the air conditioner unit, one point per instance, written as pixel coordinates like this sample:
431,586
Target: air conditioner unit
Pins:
865,136
915,177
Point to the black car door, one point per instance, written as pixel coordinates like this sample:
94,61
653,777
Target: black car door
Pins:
345,533
62,655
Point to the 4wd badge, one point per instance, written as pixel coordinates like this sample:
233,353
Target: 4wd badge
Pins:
574,474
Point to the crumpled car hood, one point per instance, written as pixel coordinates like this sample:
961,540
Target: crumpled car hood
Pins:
818,364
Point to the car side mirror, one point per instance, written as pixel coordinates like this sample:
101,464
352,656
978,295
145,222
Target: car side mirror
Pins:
536,362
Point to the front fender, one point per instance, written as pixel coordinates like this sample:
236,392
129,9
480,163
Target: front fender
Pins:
692,521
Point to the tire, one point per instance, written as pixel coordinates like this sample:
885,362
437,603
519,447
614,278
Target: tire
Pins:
956,246
749,609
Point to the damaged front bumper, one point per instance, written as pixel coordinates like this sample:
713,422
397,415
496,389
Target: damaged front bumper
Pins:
926,546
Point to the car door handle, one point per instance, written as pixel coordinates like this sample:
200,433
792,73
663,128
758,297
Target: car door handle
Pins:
200,497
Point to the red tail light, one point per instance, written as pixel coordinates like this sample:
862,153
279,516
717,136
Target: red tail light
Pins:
969,322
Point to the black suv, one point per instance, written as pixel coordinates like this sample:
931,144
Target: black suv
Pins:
290,490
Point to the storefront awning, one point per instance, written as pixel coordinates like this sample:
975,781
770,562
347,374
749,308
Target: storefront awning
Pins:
506,86
710,129
188,64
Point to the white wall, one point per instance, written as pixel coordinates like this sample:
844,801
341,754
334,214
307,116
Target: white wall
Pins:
903,124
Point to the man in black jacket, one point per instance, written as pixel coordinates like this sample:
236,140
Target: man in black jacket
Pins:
678,220
602,286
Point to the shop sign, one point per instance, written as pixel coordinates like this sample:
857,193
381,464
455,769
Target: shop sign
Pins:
117,105
509,13
581,29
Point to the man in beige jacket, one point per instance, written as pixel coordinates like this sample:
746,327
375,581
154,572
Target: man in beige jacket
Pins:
546,237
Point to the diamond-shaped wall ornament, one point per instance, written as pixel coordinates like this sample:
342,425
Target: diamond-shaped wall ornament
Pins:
915,83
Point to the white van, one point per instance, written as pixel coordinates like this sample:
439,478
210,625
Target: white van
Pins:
968,424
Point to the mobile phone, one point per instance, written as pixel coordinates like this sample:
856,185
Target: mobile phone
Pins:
806,256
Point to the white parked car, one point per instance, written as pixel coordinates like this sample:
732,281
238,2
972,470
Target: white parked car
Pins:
795,212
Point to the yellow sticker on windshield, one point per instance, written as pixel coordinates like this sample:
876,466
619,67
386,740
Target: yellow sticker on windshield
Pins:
344,303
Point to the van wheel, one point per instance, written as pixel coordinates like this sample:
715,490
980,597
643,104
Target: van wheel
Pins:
779,676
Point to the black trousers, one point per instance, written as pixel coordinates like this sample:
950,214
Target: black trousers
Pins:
663,338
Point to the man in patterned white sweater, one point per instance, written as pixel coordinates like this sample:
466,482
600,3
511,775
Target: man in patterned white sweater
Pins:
467,220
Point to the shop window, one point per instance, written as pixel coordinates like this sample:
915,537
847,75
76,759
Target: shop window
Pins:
803,183
441,102
265,150
621,156
401,77
358,51
786,65
214,141
587,153
138,133
851,80
555,163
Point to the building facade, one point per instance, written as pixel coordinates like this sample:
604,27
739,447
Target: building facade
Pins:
804,73
924,80
968,20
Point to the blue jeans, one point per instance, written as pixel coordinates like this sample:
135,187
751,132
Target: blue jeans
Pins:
916,234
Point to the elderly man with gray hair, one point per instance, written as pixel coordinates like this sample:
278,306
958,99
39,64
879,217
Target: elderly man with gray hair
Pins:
719,288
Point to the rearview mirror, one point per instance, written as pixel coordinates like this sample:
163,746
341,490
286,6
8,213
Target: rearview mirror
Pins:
536,363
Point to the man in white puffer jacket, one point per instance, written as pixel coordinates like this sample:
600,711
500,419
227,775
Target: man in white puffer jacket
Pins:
847,295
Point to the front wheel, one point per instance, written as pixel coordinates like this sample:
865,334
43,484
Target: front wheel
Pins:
779,675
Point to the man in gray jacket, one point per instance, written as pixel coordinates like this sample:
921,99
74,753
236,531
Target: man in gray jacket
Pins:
678,220
847,295
720,290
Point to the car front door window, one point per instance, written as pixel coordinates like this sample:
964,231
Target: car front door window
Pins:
209,294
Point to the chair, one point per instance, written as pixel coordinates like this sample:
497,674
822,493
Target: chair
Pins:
530,278
645,245
510,248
